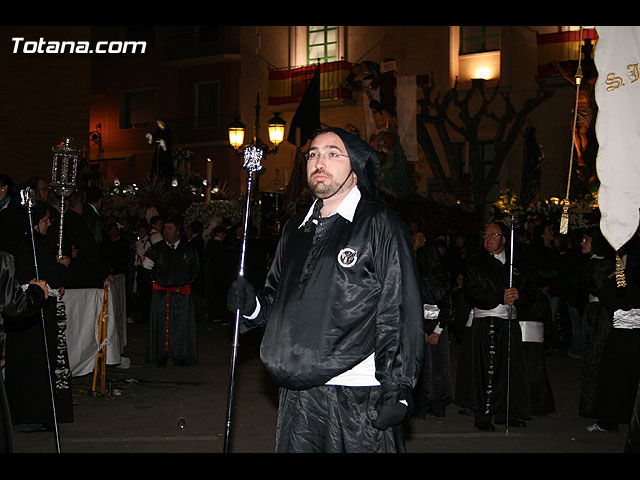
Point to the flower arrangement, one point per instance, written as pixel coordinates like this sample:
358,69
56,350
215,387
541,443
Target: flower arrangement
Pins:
133,199
204,212
581,210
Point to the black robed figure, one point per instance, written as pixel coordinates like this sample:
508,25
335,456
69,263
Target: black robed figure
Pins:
15,303
487,289
26,375
174,266
162,163
341,310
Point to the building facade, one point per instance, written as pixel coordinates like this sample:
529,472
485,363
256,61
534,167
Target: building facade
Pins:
199,78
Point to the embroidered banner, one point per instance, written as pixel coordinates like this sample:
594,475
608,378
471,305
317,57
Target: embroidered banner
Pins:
617,91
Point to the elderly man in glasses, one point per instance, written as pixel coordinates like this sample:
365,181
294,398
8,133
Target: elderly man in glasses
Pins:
487,288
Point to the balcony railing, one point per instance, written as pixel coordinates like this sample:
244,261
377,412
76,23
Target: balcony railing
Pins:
287,85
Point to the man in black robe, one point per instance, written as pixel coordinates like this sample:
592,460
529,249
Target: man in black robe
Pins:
497,356
342,307
91,212
27,376
17,303
13,216
194,236
174,265
433,391
88,269
218,276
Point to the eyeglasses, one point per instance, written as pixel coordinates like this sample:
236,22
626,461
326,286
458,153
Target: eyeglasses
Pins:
317,155
491,235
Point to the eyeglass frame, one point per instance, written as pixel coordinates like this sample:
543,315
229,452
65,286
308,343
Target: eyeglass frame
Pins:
326,155
491,235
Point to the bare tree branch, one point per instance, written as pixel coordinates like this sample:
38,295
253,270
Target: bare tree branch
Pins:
467,124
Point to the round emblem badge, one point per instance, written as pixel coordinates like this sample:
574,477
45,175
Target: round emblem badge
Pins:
347,257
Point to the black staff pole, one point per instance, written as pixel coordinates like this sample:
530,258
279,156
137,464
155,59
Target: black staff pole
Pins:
27,197
252,159
510,315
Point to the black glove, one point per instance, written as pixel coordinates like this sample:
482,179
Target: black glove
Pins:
393,408
241,296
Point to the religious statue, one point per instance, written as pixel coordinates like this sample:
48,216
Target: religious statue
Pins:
584,139
394,167
162,162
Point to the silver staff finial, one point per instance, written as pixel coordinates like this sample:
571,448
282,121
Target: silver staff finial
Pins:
252,159
27,197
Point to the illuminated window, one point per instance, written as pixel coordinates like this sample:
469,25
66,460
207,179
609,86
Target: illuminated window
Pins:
322,44
570,28
479,39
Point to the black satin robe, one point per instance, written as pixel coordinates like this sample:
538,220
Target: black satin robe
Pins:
14,302
27,372
485,280
433,390
597,322
330,303
173,268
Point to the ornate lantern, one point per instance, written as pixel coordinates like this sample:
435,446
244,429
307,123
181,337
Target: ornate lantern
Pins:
63,177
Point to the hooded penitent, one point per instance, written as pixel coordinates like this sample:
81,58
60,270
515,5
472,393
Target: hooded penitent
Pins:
364,160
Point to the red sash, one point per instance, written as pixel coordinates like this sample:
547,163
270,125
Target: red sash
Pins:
184,289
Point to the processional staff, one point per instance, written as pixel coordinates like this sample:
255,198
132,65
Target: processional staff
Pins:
63,178
509,316
252,164
28,200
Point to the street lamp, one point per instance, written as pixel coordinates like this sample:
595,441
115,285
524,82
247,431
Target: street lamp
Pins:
276,128
236,133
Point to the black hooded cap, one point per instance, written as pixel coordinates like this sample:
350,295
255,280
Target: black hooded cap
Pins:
364,160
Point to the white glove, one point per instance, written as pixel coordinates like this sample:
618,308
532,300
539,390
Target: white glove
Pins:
148,263
149,138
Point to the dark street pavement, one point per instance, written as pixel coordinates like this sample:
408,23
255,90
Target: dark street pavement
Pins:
183,410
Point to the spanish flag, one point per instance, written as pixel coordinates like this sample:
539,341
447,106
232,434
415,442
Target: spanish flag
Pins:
288,85
560,47
307,116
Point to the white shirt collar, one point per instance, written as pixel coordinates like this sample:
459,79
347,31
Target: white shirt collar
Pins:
346,209
502,256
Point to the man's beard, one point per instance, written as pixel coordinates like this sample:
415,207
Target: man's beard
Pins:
325,188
